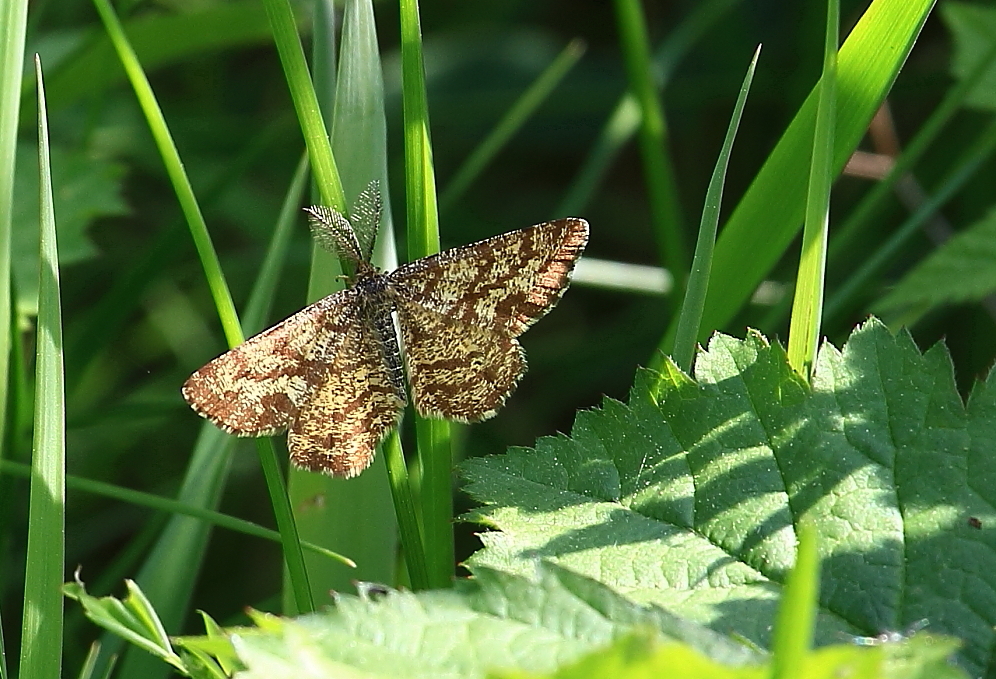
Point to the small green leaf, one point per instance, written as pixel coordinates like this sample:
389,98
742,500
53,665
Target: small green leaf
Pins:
961,270
133,619
972,27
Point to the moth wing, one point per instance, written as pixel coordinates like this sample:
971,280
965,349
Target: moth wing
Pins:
505,283
457,370
338,427
258,387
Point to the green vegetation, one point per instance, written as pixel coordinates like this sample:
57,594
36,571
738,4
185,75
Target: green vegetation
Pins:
722,519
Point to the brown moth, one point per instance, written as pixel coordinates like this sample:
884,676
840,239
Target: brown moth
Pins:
331,374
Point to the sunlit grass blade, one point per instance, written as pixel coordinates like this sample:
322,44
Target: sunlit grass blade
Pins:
861,217
662,191
797,609
305,100
868,63
698,280
807,307
433,436
510,123
41,630
352,97
624,121
13,19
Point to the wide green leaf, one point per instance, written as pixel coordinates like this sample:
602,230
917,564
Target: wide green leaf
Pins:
495,621
689,497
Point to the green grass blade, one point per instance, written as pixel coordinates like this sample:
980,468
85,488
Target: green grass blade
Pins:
13,19
867,66
407,512
861,217
807,307
90,662
283,512
174,168
305,100
167,571
354,95
511,122
698,280
624,120
665,208
433,436
797,610
192,535
171,506
41,640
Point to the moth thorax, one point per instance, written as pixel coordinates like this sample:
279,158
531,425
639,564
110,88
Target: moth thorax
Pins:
374,290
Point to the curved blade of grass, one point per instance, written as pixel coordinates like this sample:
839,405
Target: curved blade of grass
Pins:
41,630
170,506
305,102
807,308
867,66
662,191
797,609
698,280
511,122
354,94
195,535
624,120
174,168
173,562
433,436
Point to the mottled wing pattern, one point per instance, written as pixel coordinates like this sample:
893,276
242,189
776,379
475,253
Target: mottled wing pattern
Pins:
461,310
506,283
457,371
257,388
339,426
